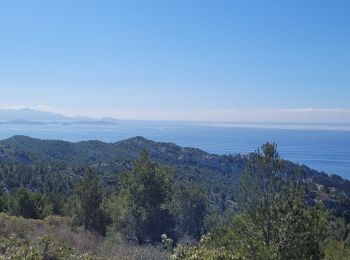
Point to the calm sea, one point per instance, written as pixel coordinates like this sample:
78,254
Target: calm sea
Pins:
323,150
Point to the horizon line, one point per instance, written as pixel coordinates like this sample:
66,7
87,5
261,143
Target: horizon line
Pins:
237,115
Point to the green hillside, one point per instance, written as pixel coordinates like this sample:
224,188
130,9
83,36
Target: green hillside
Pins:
141,199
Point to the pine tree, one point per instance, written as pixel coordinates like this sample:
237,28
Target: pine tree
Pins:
145,191
89,194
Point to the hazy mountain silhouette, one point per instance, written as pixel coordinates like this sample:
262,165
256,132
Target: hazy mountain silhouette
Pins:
30,115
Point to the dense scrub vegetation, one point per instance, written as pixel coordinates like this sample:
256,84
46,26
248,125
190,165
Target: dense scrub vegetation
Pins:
273,222
137,199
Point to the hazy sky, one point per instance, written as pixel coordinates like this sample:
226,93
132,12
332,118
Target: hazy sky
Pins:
172,59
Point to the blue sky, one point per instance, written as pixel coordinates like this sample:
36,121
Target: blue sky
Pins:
192,60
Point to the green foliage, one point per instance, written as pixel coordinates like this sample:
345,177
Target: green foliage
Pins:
337,250
277,211
189,206
22,202
339,230
38,177
261,181
143,194
205,250
53,166
230,240
89,212
273,212
275,222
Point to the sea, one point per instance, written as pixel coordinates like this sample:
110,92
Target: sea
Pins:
321,149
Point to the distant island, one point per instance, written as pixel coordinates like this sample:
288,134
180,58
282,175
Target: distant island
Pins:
22,122
26,116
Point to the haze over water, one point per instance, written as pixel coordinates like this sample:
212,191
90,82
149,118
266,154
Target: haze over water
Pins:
263,61
323,150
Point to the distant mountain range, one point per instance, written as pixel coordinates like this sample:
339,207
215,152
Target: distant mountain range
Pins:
25,116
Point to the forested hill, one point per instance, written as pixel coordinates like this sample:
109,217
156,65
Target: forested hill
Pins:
216,172
28,150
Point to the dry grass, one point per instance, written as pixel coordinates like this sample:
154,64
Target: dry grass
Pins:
55,235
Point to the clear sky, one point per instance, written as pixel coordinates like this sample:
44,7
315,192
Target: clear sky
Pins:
178,59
